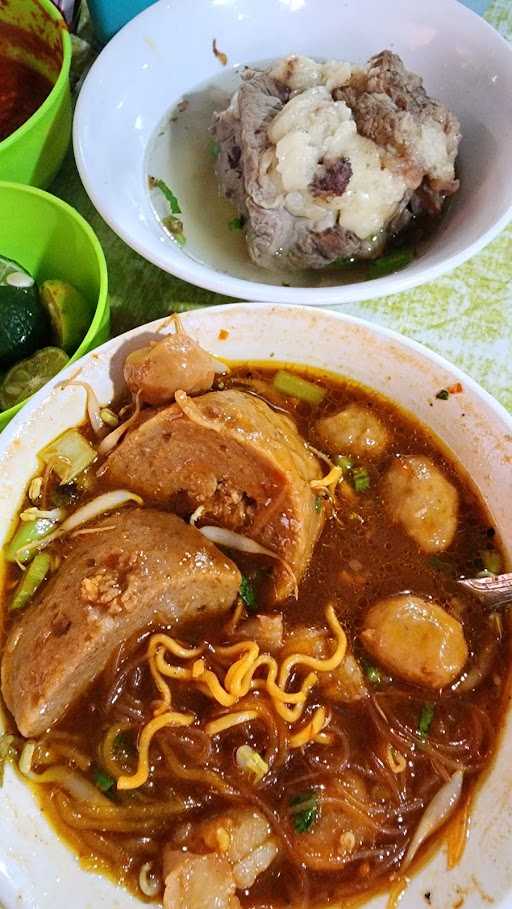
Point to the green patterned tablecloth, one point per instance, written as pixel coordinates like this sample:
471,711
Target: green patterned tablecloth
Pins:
466,316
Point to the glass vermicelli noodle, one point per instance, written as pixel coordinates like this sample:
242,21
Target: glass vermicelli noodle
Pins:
248,710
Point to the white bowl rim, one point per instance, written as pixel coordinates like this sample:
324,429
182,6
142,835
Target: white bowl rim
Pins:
15,426
207,277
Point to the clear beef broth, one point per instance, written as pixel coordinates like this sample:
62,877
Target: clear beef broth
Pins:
182,153
360,557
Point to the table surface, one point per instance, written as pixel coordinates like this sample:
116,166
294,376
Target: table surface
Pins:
465,316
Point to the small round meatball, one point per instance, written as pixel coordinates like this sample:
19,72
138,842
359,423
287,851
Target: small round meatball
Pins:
420,498
416,640
355,430
157,371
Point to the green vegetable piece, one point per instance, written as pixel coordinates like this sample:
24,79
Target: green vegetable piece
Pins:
23,323
68,455
103,780
28,376
18,550
443,395
64,495
236,223
318,504
31,580
175,227
345,463
304,811
386,265
166,191
491,560
294,386
68,311
361,479
248,594
425,720
373,674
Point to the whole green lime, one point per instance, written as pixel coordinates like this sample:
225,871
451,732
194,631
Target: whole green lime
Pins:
24,325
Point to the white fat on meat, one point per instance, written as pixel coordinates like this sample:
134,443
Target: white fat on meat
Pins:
313,128
303,72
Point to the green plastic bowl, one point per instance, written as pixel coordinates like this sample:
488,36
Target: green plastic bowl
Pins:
34,32
51,240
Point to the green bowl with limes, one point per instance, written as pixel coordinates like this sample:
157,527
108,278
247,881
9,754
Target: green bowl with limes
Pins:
34,33
53,243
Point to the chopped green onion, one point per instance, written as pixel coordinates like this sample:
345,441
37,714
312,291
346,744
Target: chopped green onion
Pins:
109,417
18,549
345,463
443,395
491,560
373,674
425,720
378,268
251,762
248,594
31,580
213,149
166,191
68,455
65,494
175,227
173,224
236,223
360,479
318,504
304,811
103,780
289,384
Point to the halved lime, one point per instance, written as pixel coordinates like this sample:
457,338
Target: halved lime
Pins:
23,323
69,313
27,377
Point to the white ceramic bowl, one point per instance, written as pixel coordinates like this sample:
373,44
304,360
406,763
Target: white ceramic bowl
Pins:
36,869
167,51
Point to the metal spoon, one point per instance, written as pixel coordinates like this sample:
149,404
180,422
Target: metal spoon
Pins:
493,591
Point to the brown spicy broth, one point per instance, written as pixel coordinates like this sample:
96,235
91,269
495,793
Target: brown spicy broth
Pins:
356,561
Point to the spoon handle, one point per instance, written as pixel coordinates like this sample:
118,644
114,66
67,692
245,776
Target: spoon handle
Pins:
492,591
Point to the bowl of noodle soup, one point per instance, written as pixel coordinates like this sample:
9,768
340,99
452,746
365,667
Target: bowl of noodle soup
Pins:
119,773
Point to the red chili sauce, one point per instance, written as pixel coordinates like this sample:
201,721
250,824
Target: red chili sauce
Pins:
22,91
